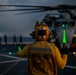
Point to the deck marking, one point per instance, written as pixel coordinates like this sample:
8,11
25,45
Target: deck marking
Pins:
12,56
72,67
10,67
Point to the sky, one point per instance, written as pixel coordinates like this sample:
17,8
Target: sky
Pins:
11,24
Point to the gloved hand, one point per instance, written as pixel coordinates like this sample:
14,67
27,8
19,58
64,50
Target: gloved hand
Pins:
65,50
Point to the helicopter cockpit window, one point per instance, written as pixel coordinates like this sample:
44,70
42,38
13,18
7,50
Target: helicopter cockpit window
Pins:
58,24
72,23
64,24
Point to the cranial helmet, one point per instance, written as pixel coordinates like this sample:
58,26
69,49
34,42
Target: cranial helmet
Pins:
41,32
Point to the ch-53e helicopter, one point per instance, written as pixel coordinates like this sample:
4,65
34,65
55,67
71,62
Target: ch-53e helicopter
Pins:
62,25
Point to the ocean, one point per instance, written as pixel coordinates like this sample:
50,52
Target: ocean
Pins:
24,39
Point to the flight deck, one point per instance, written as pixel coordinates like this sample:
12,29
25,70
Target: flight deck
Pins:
11,64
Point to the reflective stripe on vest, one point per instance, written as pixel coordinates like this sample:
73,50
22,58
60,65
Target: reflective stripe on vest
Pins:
40,49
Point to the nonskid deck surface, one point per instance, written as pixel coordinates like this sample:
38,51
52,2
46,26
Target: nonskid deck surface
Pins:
12,64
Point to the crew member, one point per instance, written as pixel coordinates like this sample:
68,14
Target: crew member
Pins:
44,58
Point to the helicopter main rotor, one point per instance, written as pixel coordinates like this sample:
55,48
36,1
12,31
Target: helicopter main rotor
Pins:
38,8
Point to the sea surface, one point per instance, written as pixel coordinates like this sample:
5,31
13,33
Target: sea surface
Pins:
11,39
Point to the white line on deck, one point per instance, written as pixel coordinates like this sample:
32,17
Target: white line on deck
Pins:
22,59
12,56
10,61
72,67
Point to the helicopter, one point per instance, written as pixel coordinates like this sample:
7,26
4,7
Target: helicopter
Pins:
62,25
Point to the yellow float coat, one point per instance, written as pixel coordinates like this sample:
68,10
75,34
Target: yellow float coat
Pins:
44,58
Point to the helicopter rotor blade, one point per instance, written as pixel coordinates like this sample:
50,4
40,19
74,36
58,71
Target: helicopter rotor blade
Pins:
43,8
62,6
29,12
3,5
66,7
6,10
29,9
30,6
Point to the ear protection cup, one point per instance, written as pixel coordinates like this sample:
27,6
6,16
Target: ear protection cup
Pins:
50,34
32,34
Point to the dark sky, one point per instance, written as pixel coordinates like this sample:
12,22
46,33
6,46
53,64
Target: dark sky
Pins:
11,24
